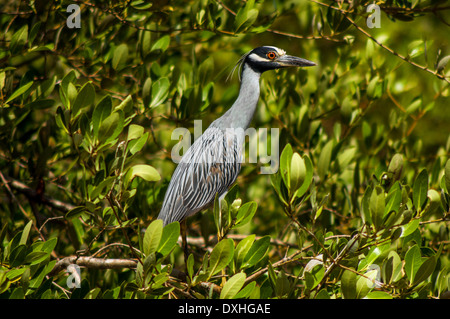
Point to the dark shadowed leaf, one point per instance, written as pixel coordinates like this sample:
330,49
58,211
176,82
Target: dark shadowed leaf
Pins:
420,189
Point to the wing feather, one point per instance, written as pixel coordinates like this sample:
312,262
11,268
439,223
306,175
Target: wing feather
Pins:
208,168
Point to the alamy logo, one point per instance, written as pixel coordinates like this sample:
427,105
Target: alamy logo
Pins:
74,279
373,20
74,20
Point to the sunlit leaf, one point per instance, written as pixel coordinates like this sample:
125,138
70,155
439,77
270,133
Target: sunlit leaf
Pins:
152,237
221,256
232,286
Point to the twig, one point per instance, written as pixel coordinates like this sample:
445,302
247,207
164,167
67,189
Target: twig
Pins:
92,262
367,34
31,193
284,261
336,261
6,183
287,34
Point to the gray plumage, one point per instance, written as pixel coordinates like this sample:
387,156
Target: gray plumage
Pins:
212,163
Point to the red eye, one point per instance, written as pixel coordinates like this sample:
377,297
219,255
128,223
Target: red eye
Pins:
271,55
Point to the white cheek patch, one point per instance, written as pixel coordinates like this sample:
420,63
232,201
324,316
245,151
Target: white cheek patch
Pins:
257,58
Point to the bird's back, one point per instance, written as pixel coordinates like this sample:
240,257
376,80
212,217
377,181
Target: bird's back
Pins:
209,167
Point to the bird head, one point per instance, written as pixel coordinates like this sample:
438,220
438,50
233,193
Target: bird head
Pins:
269,58
266,58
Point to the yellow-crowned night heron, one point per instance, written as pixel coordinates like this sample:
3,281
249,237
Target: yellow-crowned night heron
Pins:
211,165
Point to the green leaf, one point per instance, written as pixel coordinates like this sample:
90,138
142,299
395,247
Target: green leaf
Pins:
19,39
245,17
85,98
169,238
242,249
447,175
101,111
120,57
145,42
298,172
285,164
2,79
395,168
126,105
75,212
25,233
147,172
221,256
420,189
365,284
162,43
152,237
247,291
205,70
134,132
377,206
19,91
374,88
160,91
282,285
245,213
378,295
232,286
4,282
35,257
257,251
98,190
323,164
393,199
442,63
348,284
190,266
111,127
392,268
365,204
34,32
49,245
308,178
66,86
410,227
413,260
425,270
314,272
322,294
17,255
135,146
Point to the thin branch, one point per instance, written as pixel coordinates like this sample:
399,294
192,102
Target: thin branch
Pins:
31,193
13,196
92,262
336,262
367,34
287,34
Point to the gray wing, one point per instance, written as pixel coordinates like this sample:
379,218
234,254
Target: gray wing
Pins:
209,167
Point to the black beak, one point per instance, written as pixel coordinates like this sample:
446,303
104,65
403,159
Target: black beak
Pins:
289,61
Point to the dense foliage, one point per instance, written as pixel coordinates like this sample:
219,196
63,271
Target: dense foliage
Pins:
359,207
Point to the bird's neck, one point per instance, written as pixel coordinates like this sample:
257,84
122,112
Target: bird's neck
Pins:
241,112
